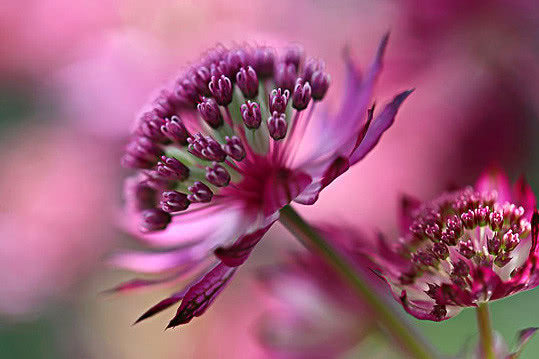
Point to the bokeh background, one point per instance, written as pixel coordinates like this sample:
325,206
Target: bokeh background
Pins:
74,74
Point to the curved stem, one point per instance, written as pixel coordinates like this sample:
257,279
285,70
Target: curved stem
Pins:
388,317
485,331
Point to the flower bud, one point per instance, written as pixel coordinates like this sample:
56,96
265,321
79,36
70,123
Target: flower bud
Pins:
277,126
247,81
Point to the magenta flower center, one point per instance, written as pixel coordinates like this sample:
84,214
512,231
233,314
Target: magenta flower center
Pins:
225,129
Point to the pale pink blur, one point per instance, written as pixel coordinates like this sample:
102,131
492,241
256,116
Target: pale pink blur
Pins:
37,36
114,74
55,215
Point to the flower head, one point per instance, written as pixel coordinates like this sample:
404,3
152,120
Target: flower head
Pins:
236,139
466,247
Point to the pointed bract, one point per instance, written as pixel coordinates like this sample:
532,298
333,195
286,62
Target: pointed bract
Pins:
524,195
378,126
159,307
407,206
494,178
237,254
523,338
199,297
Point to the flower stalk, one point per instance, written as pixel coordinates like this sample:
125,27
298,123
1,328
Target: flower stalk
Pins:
408,338
485,331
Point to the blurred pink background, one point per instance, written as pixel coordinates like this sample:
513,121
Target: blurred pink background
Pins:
73,76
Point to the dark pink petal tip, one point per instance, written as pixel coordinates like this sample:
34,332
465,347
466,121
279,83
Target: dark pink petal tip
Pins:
352,72
284,187
382,47
425,312
494,178
378,126
407,205
525,334
135,284
524,195
377,59
238,253
337,168
535,229
201,295
125,287
159,307
523,338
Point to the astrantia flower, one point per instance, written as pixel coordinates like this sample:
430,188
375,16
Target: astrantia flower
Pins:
316,314
464,248
223,150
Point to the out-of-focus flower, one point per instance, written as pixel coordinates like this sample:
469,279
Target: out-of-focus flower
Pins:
53,215
495,33
317,314
492,44
34,42
236,139
112,77
464,248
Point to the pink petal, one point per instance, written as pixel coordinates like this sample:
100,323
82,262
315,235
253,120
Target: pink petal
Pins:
392,262
340,132
524,195
363,132
523,338
408,205
526,334
378,126
535,231
281,190
358,91
423,310
238,253
162,305
527,276
215,225
169,301
495,179
452,294
200,296
337,168
487,285
139,283
310,194
147,262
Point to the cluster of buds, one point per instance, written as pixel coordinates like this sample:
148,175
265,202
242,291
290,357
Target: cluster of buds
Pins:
193,140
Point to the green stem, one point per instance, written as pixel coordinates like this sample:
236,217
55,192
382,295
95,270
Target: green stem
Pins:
485,331
388,317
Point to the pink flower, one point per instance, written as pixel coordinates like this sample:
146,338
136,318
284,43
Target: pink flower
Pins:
317,314
466,247
222,151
